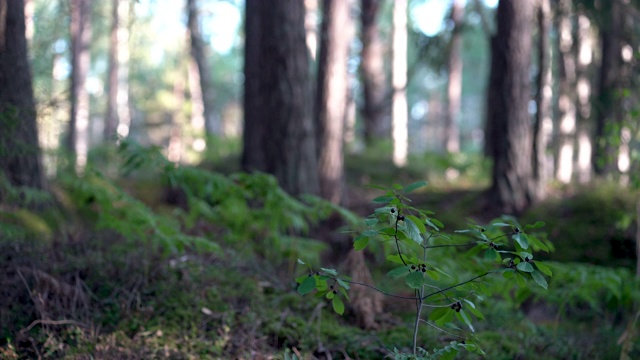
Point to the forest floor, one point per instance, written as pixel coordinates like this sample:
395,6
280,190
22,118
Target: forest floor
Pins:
86,293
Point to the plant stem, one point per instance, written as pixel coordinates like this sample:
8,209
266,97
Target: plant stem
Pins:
416,326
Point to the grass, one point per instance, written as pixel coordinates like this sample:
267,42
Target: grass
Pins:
127,300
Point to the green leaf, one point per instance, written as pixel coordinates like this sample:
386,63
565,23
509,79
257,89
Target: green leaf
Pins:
450,354
343,283
544,268
472,309
437,313
399,271
338,305
446,318
436,222
537,225
412,231
465,319
307,285
433,274
416,185
419,223
330,271
522,240
525,267
491,255
520,280
330,295
301,262
383,199
539,279
415,280
370,221
360,242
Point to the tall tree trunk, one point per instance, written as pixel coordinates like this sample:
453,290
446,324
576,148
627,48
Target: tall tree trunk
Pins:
584,57
78,134
543,124
373,75
610,33
400,111
566,89
19,148
122,98
311,26
512,177
111,116
253,156
277,95
331,97
198,52
454,86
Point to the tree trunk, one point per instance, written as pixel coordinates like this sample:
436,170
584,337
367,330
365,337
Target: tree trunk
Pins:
400,111
331,97
512,177
122,99
19,148
584,56
198,49
111,116
277,95
543,124
454,86
373,74
610,33
78,135
566,96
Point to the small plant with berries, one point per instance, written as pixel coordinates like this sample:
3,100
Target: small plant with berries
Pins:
447,273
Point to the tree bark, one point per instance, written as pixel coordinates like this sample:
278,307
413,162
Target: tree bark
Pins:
111,116
454,86
331,97
277,95
400,111
78,134
584,50
513,183
610,33
566,96
19,148
373,75
543,124
198,52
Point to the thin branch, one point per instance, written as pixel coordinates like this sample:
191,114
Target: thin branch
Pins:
378,290
443,330
455,286
450,245
54,322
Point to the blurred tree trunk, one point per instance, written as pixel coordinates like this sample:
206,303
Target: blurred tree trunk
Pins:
278,128
125,8
543,124
253,156
78,133
204,92
608,77
311,27
584,55
566,92
454,86
399,81
513,184
331,97
111,116
373,75
19,148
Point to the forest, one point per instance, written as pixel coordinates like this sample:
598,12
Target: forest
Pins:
320,179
